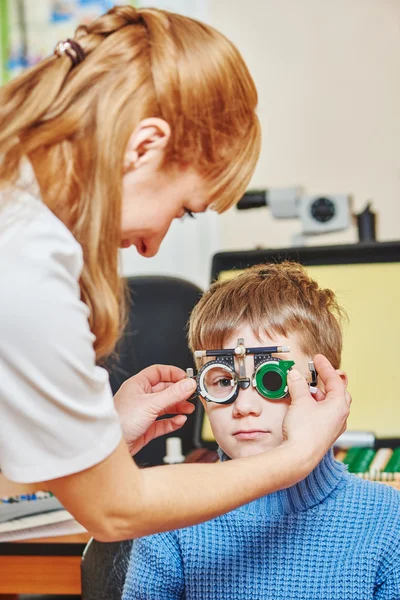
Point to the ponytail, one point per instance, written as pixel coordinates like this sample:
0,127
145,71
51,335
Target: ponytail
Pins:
74,122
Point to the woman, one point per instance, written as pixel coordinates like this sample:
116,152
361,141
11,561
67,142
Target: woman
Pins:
143,117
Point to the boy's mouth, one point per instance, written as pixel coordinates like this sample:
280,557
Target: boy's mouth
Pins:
250,434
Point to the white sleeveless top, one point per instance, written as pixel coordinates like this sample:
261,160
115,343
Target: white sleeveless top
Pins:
57,414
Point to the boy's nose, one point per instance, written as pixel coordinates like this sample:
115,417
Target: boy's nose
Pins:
248,402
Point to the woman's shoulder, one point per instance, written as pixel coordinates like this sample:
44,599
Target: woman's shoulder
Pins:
53,397
40,266
32,238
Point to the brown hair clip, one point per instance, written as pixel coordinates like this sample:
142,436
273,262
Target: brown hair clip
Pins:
72,49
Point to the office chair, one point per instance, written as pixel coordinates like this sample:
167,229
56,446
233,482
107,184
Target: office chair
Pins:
159,308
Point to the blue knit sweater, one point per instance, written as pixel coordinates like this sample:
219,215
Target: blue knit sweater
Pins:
332,536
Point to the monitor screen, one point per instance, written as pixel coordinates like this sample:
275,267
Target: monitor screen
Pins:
366,280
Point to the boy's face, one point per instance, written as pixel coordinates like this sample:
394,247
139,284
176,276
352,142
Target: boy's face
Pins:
253,424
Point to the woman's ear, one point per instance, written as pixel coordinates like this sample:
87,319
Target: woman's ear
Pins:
343,376
147,144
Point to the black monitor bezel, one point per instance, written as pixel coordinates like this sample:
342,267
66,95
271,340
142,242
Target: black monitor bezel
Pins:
362,253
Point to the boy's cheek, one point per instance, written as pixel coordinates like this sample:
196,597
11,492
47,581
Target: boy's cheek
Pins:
219,422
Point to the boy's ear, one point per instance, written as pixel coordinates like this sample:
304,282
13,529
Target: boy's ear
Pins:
343,376
204,403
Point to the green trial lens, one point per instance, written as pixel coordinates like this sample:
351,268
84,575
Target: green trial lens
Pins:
270,378
272,381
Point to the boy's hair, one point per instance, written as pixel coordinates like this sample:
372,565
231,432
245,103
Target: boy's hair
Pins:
274,298
76,121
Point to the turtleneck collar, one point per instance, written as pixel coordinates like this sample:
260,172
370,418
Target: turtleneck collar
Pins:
309,492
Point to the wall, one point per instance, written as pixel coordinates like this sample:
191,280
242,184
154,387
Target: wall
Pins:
328,75
329,90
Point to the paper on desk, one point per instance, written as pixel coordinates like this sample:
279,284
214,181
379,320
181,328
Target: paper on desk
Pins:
53,530
59,522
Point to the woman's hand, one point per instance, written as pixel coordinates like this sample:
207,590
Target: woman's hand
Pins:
313,424
155,391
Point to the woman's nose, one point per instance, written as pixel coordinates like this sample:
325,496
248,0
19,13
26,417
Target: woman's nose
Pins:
148,250
150,246
153,242
248,402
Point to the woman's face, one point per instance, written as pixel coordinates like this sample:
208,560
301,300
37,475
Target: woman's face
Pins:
152,198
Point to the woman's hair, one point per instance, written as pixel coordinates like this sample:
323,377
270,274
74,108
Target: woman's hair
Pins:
74,122
272,298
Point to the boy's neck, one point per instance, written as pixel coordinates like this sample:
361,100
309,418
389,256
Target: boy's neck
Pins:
305,494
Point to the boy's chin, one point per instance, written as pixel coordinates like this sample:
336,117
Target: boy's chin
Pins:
252,449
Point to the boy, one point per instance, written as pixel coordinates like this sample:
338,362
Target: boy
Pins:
332,536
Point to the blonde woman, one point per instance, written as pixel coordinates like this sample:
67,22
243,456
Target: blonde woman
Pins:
142,117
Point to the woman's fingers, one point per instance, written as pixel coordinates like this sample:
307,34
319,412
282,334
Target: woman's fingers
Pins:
315,421
180,408
335,389
162,373
332,381
172,396
169,425
157,429
183,407
318,395
159,387
298,387
165,426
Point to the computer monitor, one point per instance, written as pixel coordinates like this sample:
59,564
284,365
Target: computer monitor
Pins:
366,280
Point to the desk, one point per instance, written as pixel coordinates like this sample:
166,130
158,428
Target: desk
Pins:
42,566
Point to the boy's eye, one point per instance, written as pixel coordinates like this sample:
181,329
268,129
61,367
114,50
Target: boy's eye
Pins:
225,382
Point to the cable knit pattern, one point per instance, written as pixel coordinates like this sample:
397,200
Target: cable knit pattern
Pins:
332,536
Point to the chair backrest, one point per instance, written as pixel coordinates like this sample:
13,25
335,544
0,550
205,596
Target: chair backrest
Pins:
155,333
104,568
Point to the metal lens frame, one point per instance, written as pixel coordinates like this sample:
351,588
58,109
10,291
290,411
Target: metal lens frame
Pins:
202,387
264,364
278,369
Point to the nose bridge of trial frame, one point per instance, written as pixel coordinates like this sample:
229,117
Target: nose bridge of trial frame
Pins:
240,352
262,355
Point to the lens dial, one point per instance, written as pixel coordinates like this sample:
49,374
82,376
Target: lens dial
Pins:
270,378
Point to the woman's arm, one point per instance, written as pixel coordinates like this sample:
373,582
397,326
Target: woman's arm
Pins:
116,500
